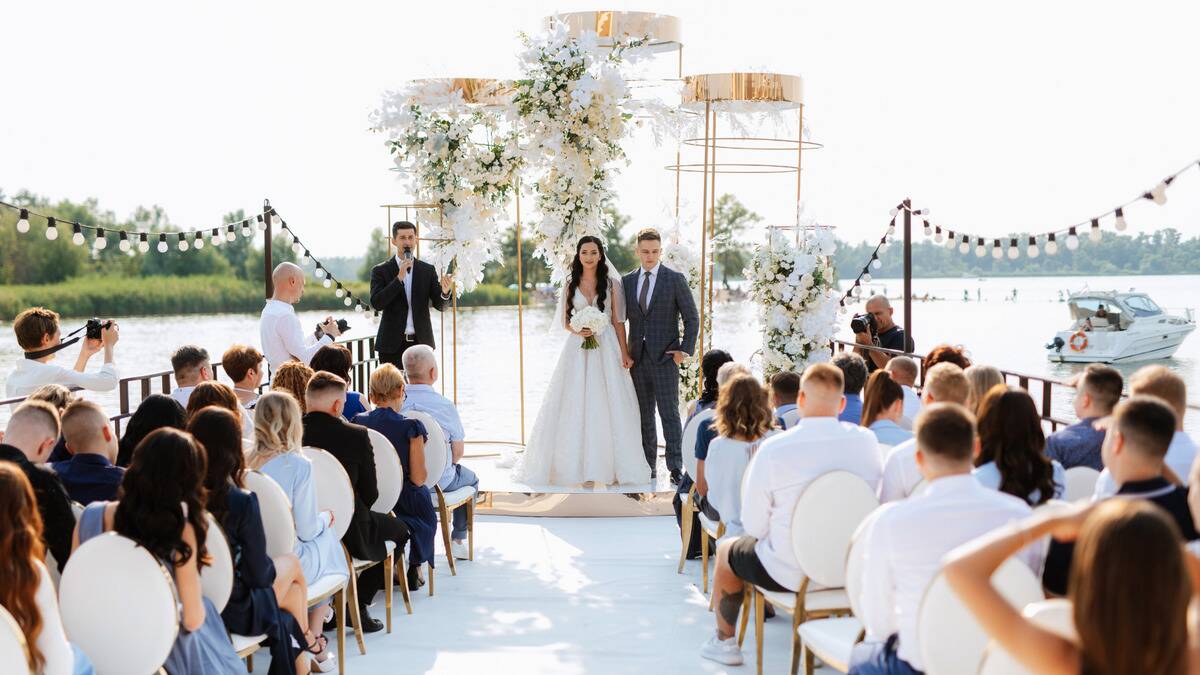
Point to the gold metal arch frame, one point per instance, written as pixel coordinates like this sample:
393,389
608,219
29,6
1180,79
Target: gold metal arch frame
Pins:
482,91
611,27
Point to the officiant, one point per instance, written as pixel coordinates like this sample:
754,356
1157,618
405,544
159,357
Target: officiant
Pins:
403,289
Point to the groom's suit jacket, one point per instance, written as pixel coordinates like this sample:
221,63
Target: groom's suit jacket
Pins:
655,330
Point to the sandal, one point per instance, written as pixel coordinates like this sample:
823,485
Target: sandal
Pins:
414,578
319,647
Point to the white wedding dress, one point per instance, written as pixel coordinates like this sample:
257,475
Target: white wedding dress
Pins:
588,429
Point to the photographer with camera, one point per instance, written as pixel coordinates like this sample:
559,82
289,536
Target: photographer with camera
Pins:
38,335
279,328
875,327
403,289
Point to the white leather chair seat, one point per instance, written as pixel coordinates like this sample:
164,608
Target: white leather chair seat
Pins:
709,526
814,601
326,585
455,497
359,564
244,642
831,640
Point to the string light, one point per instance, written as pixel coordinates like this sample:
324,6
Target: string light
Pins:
891,227
928,228
980,249
996,252
1032,251
347,302
198,241
143,244
101,239
295,244
1095,235
1051,244
359,308
262,223
162,243
937,235
1158,194
339,292
123,244
77,235
216,237
1120,223
876,262
1072,239
327,283
229,235
23,221
247,231
1013,253
319,272
964,246
51,229
866,276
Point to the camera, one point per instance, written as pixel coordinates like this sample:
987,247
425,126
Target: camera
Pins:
341,324
94,326
863,323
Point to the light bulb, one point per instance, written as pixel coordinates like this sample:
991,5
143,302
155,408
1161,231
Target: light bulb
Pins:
348,302
296,246
23,222
162,247
877,263
1013,253
1032,251
320,272
51,229
883,247
1051,245
891,228
101,240
143,246
359,308
247,231
198,243
1159,194
1120,223
229,235
1095,235
123,244
327,283
339,292
928,229
262,224
216,238
1072,240
893,212
996,252
980,250
964,246
937,235
866,277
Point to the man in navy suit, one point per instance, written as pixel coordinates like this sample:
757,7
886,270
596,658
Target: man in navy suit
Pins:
657,298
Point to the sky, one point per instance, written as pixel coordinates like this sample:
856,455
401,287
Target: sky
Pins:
999,117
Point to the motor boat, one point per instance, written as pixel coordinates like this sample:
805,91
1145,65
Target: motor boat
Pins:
1114,327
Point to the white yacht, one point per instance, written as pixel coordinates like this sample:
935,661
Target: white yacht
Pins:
1114,327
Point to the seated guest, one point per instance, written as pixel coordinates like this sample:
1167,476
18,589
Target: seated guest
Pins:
1097,391
39,337
1135,447
854,372
904,371
191,366
705,431
742,421
1161,382
369,531
26,589
60,397
220,395
710,365
29,437
420,366
883,406
785,389
154,412
982,379
415,506
1011,444
261,586
337,359
292,377
904,547
278,432
1137,627
89,475
244,365
944,383
162,510
944,353
783,466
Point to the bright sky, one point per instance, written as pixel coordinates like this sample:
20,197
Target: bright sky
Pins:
1024,115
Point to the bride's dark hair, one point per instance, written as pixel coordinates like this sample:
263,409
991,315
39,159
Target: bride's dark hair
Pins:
577,274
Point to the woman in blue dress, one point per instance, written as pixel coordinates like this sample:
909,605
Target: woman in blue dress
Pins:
415,505
162,509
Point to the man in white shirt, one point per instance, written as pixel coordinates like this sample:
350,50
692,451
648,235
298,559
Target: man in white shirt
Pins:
944,383
191,367
777,475
904,546
1161,382
904,373
39,337
282,337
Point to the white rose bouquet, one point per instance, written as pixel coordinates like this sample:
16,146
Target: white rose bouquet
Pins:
591,319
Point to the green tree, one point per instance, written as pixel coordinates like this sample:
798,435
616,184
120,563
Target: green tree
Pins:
30,258
620,252
377,252
730,220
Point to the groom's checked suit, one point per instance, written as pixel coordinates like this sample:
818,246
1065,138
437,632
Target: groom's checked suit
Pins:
655,302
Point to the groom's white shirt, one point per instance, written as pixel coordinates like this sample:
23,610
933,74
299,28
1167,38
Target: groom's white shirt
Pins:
642,280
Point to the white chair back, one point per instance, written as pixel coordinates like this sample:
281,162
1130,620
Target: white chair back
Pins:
389,473
216,579
824,520
334,490
1054,615
119,605
435,446
688,449
1081,483
791,418
14,649
278,522
856,557
951,641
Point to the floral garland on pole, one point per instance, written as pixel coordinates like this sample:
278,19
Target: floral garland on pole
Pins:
794,288
569,102
458,158
681,256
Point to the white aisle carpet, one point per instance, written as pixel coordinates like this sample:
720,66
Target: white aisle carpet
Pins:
559,596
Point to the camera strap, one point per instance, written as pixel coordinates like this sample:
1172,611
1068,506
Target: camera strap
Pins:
33,356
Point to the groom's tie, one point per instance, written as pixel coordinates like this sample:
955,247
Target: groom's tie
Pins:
644,292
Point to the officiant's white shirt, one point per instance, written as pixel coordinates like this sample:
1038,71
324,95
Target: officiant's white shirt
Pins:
408,324
642,280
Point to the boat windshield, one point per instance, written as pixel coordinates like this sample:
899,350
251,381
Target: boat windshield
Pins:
1141,305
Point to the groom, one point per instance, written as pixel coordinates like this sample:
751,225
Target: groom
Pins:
656,298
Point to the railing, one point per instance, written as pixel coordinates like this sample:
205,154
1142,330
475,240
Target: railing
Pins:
1023,380
131,391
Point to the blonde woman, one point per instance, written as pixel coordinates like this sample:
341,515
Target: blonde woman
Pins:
981,378
277,440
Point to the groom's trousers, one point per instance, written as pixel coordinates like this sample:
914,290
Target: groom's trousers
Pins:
657,384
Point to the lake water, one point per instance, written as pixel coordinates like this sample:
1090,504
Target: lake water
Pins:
990,324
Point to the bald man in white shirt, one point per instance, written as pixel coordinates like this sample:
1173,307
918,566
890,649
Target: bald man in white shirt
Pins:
282,337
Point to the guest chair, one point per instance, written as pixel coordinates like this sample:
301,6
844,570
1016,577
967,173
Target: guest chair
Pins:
823,522
688,510
709,529
951,641
389,476
280,527
216,582
14,650
119,605
1054,615
1081,483
436,452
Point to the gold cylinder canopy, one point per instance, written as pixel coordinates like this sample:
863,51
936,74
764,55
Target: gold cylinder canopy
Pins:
664,30
749,91
475,90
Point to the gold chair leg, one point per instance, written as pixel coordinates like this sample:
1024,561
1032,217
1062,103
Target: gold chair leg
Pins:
403,574
685,528
798,617
471,530
444,516
249,663
810,662
745,615
704,559
339,613
388,570
759,615
352,600
430,570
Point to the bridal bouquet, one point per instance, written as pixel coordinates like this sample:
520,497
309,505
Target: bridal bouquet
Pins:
591,319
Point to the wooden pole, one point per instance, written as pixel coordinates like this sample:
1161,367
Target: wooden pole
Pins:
268,283
907,272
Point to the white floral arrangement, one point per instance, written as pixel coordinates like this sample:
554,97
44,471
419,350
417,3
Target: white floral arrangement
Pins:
794,288
458,157
569,102
681,256
592,319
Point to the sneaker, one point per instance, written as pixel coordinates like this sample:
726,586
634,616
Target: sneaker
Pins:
459,550
722,651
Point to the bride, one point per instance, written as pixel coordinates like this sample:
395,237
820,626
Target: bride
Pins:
588,428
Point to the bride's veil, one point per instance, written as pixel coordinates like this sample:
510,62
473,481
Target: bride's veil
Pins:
616,298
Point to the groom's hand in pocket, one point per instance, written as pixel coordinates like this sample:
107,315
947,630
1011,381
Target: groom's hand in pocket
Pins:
678,356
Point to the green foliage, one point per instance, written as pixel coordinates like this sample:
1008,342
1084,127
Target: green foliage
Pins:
30,258
619,252
377,252
730,220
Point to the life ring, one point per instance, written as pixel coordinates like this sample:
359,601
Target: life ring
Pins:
1078,342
